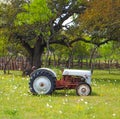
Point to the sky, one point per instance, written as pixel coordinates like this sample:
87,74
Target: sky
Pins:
2,0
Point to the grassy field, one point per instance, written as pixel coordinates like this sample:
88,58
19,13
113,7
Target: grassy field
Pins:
16,102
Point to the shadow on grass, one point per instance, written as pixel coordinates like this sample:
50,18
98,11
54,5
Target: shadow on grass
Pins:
94,94
64,93
58,93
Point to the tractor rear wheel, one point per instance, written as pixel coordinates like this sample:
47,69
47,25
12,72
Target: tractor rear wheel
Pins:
42,82
83,89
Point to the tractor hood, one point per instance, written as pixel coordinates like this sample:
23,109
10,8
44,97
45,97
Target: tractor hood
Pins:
73,72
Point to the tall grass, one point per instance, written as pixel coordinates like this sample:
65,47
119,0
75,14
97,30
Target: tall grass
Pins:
16,102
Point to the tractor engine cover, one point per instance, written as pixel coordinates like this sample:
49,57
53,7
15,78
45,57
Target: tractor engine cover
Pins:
86,74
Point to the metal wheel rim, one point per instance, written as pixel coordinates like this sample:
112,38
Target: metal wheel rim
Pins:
42,85
83,89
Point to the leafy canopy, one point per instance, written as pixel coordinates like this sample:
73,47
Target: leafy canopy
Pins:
102,20
36,11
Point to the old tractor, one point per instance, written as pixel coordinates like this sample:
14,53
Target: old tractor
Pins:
44,81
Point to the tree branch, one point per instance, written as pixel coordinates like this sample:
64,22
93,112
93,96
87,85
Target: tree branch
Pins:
90,42
79,39
61,42
27,47
103,42
66,13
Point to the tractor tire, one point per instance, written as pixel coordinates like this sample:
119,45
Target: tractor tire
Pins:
42,82
83,89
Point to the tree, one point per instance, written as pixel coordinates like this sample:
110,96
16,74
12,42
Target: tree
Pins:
39,23
101,21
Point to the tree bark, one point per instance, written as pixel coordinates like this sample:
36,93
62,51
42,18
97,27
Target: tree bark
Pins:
37,54
91,58
5,66
36,59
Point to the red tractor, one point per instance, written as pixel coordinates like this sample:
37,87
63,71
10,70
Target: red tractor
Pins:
44,81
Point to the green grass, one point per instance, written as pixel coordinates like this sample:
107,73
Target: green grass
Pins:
16,102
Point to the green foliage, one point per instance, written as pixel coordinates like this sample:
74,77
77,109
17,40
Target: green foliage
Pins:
110,50
81,49
36,11
101,20
106,50
10,48
3,46
77,50
18,103
61,52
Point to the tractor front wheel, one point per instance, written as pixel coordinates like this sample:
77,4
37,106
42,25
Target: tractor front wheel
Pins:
83,89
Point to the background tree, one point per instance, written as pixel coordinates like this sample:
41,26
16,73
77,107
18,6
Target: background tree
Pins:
101,21
69,55
110,52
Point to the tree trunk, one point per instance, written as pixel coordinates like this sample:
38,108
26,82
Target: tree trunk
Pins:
37,55
5,66
54,57
36,52
91,58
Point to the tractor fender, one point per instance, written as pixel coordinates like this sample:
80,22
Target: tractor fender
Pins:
50,71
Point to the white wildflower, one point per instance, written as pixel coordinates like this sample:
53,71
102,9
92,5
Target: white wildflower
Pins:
2,77
66,95
82,99
106,103
47,105
15,87
60,112
86,103
51,106
49,100
113,114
